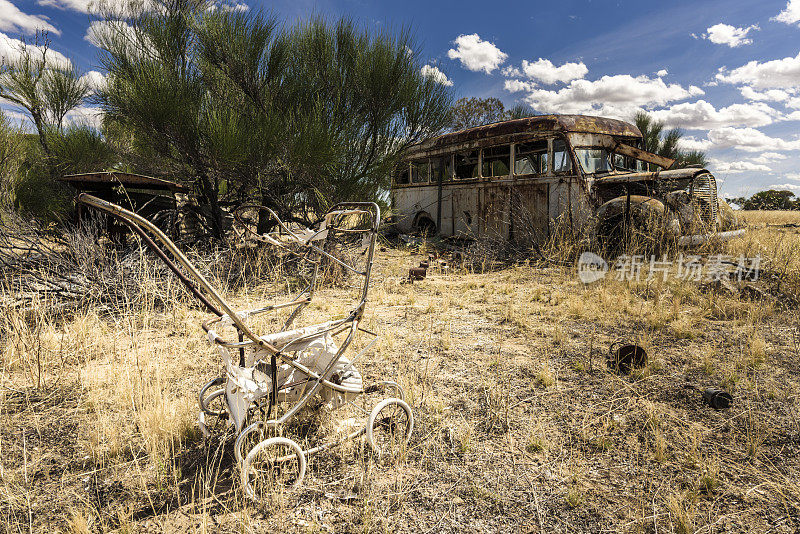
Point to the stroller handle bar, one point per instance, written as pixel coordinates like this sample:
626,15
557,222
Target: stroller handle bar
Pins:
137,222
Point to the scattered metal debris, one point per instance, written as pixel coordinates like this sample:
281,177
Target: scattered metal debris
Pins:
717,398
625,357
417,273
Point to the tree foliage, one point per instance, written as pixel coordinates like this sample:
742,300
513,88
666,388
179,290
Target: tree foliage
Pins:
47,89
239,108
770,199
473,111
666,142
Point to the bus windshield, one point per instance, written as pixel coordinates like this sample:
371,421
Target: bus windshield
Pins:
594,160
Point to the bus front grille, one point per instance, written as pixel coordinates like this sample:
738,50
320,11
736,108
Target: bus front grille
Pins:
704,199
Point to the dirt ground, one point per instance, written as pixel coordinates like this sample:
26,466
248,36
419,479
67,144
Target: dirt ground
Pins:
521,426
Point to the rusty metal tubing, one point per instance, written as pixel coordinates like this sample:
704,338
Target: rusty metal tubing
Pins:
174,268
138,220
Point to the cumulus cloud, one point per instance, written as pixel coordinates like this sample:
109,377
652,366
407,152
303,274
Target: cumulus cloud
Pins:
95,80
11,50
614,96
692,143
85,115
791,187
99,30
544,71
775,74
14,20
703,116
436,75
735,167
511,72
729,35
750,140
768,157
791,14
770,95
476,54
662,73
231,7
515,86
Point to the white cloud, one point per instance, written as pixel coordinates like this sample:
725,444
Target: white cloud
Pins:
96,80
515,86
84,6
85,115
735,167
438,76
544,71
794,176
99,30
613,96
791,14
770,95
14,20
793,187
662,73
511,72
11,50
476,54
729,35
703,116
213,5
750,140
692,143
777,73
768,157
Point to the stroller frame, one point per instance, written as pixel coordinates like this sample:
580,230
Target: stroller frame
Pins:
332,376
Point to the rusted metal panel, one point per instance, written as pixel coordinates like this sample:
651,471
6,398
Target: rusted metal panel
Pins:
494,209
530,212
532,125
410,203
466,213
114,178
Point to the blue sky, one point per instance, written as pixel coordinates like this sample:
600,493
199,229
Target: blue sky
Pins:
727,72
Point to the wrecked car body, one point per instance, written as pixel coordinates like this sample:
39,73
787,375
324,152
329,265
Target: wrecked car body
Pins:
514,179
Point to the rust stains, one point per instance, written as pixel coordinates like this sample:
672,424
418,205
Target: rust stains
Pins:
540,123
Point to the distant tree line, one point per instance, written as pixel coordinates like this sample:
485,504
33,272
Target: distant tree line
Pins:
772,199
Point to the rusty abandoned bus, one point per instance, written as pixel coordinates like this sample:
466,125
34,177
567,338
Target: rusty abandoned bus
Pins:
514,179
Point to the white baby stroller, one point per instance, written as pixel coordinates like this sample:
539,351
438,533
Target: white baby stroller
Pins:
271,379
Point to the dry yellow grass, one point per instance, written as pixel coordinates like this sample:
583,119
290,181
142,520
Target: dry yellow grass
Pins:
520,424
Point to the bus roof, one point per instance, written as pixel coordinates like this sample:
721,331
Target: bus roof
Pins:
538,123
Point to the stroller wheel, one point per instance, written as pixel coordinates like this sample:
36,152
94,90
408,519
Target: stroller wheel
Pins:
213,416
206,400
273,466
389,427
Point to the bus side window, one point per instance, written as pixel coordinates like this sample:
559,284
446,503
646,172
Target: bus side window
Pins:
440,169
401,174
530,158
419,172
561,160
467,165
496,160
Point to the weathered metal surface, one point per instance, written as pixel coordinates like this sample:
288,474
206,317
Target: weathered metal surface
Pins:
649,157
494,209
525,202
89,180
530,212
532,125
466,211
